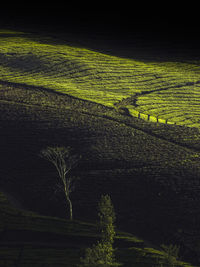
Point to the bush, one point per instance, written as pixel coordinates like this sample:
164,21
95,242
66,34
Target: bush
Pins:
102,254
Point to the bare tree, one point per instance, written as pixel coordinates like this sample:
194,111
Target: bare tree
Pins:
64,161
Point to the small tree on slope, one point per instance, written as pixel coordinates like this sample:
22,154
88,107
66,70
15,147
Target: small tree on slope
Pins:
170,256
102,254
64,162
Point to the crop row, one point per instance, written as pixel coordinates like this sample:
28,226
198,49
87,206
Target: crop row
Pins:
84,73
99,77
176,104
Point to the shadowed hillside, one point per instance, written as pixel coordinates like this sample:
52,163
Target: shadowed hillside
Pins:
55,93
152,181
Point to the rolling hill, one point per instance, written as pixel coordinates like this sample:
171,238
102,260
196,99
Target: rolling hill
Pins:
165,90
29,239
53,92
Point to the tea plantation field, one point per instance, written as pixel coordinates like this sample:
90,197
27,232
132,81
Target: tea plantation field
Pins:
58,93
167,90
29,239
150,173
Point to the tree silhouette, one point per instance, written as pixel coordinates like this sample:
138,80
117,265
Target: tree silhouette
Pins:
102,254
170,256
64,162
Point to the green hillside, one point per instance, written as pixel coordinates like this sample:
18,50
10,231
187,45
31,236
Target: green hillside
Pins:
166,90
128,158
29,239
55,92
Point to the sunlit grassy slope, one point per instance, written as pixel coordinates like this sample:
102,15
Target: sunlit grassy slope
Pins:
169,90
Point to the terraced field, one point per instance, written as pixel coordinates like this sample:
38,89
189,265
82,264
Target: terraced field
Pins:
151,170
159,91
29,239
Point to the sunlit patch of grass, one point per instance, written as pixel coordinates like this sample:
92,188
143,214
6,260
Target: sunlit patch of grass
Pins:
99,77
11,32
144,257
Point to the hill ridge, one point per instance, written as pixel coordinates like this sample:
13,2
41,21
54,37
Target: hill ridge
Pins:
99,115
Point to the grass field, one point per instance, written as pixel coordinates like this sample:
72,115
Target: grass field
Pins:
165,89
56,93
29,239
109,142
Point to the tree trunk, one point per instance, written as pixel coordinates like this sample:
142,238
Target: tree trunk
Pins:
70,208
66,190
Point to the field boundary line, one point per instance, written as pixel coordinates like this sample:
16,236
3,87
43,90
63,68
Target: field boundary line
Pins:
102,116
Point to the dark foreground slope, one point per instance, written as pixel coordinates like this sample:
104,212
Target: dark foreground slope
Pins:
151,171
28,239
